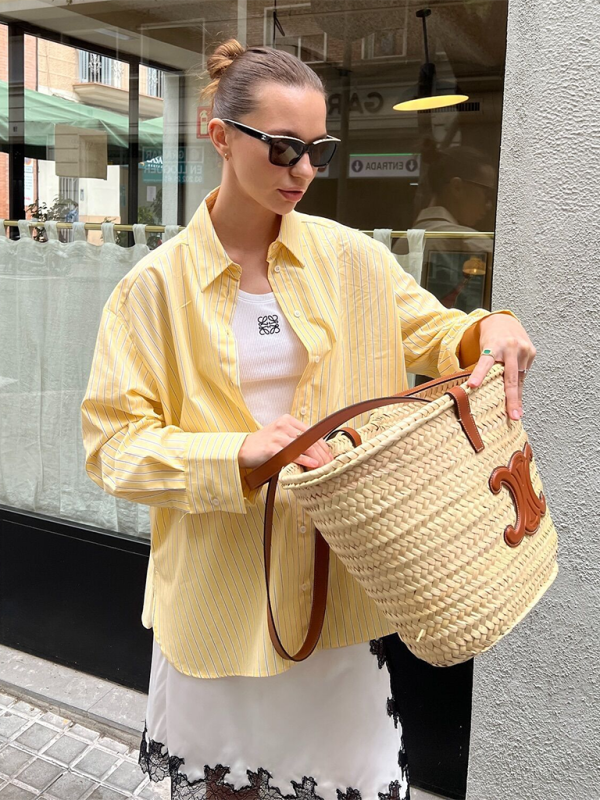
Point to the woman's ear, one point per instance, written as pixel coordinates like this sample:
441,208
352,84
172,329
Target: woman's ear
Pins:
217,130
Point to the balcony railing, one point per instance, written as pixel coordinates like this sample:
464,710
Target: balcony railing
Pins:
155,82
94,68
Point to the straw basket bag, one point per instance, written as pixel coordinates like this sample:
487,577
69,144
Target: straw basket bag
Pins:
435,507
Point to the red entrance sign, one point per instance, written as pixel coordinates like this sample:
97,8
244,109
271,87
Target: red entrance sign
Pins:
202,120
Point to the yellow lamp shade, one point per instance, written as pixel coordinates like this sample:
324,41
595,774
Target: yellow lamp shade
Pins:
474,266
426,103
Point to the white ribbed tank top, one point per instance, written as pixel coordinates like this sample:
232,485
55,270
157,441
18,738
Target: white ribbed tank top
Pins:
271,357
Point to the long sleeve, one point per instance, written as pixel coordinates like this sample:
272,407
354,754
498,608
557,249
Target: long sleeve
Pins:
132,454
431,333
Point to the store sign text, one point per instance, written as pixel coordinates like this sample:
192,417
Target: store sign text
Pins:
171,166
369,103
390,165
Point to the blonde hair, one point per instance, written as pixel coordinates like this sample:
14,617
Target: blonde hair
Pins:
235,71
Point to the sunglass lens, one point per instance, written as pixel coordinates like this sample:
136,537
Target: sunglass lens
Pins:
322,153
285,152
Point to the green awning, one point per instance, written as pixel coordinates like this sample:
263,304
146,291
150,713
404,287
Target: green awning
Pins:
44,111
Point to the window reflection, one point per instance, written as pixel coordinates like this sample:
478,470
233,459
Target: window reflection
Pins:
115,133
460,194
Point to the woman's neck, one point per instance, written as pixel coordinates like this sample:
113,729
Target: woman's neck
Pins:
243,226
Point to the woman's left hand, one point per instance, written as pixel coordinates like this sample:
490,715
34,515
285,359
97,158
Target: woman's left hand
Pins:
509,343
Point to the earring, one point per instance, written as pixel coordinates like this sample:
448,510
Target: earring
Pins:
226,156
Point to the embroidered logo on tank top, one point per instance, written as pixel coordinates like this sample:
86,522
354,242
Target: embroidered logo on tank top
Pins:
268,324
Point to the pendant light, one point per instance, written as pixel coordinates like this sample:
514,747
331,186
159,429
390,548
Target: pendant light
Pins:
277,26
430,94
474,266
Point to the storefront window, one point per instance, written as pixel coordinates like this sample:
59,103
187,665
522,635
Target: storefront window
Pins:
115,132
161,169
76,135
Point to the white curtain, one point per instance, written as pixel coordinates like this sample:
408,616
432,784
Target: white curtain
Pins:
412,262
51,299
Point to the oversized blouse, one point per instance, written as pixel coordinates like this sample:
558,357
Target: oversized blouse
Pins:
164,419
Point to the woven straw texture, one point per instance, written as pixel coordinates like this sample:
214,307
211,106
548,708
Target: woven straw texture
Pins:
411,515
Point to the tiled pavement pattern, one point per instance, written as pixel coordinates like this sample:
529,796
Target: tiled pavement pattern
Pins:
48,756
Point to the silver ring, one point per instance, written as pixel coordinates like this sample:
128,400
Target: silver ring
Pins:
523,371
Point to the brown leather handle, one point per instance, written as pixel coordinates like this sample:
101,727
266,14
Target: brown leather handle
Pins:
290,453
270,470
299,445
320,584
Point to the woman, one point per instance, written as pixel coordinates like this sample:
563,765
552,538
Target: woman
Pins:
214,353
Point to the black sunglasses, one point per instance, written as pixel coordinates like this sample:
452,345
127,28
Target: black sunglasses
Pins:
488,191
285,151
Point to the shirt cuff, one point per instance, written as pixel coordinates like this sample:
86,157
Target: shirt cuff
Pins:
213,471
449,361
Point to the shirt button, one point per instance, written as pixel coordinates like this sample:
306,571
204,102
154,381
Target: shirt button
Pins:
277,269
317,359
297,314
305,587
303,411
215,501
302,528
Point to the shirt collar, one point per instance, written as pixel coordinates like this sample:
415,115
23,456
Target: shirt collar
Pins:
436,213
209,255
290,235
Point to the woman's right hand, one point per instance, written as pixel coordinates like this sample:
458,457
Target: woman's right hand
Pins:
261,446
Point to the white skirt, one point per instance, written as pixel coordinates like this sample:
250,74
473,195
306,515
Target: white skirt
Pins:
327,728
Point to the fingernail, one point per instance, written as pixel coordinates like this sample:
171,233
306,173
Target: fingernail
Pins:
515,414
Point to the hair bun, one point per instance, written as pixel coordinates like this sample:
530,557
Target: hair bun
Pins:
232,94
223,57
219,62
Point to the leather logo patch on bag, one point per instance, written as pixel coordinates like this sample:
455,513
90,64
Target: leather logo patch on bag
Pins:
529,507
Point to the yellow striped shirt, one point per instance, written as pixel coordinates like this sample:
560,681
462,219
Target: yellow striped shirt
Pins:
164,419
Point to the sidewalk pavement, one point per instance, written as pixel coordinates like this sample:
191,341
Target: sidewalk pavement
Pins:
96,703
47,755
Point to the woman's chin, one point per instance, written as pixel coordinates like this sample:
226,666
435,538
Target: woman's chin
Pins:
284,204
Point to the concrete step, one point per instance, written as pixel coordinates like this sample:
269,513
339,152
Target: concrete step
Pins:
111,708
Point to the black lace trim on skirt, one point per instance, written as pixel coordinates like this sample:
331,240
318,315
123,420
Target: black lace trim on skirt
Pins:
156,762
378,649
